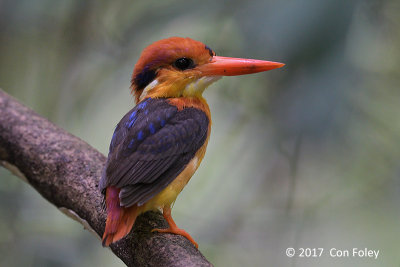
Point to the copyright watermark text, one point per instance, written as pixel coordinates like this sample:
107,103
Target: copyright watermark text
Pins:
333,253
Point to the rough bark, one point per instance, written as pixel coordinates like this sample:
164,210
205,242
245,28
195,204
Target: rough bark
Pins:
65,170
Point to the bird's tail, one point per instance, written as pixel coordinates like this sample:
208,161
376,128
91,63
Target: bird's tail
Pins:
119,219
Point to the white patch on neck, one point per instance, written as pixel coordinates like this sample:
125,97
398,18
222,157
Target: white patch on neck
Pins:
198,86
147,89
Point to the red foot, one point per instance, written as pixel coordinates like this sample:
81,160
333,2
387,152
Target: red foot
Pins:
173,229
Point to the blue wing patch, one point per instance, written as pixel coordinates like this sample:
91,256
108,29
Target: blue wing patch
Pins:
151,145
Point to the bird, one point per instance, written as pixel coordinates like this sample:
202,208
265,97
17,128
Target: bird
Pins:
159,144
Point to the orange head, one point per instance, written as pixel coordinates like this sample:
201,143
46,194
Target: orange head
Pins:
176,67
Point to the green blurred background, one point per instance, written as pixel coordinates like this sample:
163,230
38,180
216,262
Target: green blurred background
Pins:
304,156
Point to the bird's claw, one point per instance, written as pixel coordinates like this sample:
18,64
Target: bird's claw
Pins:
177,231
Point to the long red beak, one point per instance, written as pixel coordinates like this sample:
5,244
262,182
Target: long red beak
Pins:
229,66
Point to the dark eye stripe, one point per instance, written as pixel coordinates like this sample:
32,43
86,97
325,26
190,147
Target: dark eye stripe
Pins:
143,78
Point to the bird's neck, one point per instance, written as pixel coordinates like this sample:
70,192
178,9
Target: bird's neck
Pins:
191,102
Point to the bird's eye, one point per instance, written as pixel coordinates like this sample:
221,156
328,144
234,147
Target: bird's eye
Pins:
184,63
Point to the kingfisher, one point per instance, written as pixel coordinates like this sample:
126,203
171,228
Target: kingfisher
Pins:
159,144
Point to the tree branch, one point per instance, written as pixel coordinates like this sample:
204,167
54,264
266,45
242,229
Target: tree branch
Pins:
65,170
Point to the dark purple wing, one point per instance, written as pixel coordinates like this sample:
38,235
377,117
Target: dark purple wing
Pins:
151,145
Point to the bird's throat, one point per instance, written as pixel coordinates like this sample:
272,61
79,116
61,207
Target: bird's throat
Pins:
197,87
189,87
